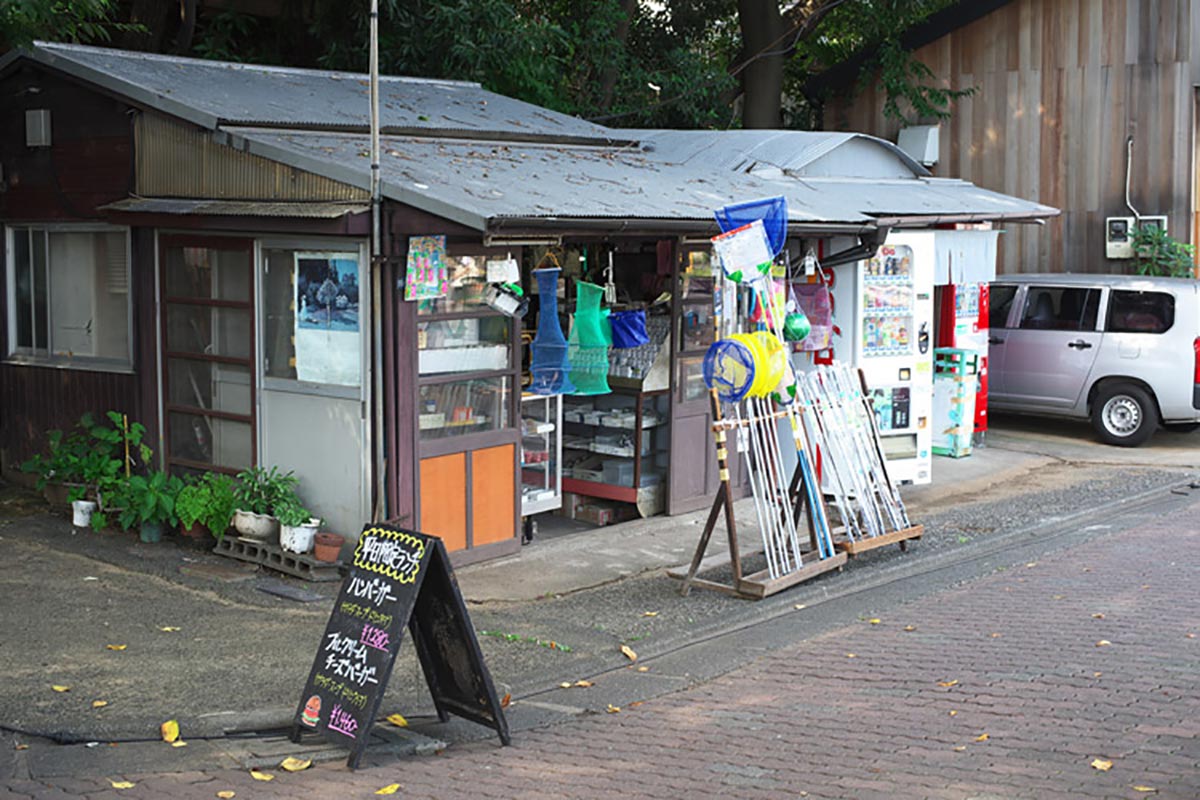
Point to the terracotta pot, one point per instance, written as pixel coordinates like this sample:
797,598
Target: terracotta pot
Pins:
327,547
197,536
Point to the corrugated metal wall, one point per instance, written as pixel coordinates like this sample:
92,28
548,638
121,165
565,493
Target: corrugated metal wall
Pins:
1060,85
174,160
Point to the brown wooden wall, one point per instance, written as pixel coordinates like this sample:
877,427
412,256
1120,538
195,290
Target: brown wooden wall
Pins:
1060,85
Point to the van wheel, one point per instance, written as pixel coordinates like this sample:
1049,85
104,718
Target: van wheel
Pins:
1124,414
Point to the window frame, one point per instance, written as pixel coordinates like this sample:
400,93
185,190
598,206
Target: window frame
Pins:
46,357
1112,299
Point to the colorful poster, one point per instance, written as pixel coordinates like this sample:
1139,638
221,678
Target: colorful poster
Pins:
426,276
327,337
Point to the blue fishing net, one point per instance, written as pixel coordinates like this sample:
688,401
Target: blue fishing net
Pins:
548,364
729,368
771,210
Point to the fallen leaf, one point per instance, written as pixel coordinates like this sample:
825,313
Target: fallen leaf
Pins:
628,651
983,737
1190,636
22,747
61,688
800,606
643,669
1103,643
168,629
960,748
115,646
1101,764
851,655
1059,596
1097,616
1031,564
292,764
613,709
261,776
179,743
948,684
91,578
1097,674
636,703
910,628
875,620
649,613
398,720
123,784
504,701
391,788
954,713
565,685
169,730
1144,789
228,794
582,684
997,635
99,703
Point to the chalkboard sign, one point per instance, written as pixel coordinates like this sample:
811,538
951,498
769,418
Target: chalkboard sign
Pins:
397,578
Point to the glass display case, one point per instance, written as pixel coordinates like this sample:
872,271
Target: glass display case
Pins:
454,408
541,453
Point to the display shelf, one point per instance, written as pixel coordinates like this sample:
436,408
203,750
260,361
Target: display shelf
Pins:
541,453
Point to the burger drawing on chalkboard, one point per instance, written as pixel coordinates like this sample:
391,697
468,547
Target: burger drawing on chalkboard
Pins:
312,712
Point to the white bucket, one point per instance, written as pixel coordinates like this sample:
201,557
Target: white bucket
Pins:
82,511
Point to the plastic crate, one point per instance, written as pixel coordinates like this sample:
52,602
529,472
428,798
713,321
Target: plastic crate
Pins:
951,361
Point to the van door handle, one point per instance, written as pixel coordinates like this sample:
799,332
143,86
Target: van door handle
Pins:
995,340
1080,344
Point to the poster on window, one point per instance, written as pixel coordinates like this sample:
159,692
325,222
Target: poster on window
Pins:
328,344
426,275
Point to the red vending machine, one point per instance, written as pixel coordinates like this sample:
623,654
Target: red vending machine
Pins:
963,324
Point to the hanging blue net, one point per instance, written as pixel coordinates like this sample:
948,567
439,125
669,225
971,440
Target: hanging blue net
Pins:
729,368
771,210
548,353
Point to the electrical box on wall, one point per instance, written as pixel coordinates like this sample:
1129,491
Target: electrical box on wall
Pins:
1118,233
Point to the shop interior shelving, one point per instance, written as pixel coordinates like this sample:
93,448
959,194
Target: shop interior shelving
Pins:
541,453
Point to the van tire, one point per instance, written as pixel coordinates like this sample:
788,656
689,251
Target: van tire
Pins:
1124,414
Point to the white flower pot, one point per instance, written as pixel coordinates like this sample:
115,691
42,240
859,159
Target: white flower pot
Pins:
82,512
255,526
298,538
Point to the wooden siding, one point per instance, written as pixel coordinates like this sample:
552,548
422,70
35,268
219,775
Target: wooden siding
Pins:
1060,85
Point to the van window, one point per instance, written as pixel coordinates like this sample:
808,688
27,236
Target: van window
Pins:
1000,300
1056,308
1140,312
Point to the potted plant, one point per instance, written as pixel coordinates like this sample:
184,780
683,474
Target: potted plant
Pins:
149,503
206,506
297,526
258,492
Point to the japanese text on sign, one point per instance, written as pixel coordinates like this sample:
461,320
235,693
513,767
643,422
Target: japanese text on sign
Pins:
392,553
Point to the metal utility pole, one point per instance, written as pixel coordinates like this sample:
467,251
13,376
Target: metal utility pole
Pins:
375,182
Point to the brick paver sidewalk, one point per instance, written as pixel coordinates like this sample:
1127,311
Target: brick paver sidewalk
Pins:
1011,686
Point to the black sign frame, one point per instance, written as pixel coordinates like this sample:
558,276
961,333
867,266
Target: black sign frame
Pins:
399,579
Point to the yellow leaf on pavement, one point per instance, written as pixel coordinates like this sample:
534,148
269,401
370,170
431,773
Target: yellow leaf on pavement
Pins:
292,764
61,688
228,794
874,620
800,606
948,683
851,655
1031,564
168,629
122,784
116,646
261,776
1101,764
583,684
953,713
389,789
179,743
22,747
398,720
170,730
1103,643
504,701
613,709
628,651
649,613
1097,616
99,703
565,685
910,628
960,748
1144,789
643,669
983,737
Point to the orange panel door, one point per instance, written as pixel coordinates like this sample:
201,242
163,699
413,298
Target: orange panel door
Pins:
493,494
444,499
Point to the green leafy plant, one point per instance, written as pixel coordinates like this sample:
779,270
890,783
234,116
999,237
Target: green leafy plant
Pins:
149,498
208,501
96,455
260,490
1158,253
292,513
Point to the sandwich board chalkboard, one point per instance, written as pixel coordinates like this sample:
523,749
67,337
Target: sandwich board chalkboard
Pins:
398,578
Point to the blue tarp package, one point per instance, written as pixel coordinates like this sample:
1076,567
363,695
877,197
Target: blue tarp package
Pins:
628,328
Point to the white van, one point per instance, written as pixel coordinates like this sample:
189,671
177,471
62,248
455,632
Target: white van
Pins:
1119,350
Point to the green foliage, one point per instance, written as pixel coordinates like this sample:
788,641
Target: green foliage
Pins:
92,456
1158,253
146,498
906,85
81,21
261,490
290,512
209,501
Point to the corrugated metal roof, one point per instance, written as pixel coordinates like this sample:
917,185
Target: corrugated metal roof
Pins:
211,92
235,208
473,182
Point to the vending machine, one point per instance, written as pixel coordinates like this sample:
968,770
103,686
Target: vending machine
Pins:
883,313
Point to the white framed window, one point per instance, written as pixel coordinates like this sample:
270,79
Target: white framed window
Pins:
68,296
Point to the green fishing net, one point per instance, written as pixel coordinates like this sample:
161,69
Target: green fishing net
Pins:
588,345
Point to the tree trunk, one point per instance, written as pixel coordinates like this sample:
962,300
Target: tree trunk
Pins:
763,36
608,79
187,26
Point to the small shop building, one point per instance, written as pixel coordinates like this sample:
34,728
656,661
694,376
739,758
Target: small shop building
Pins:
189,242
